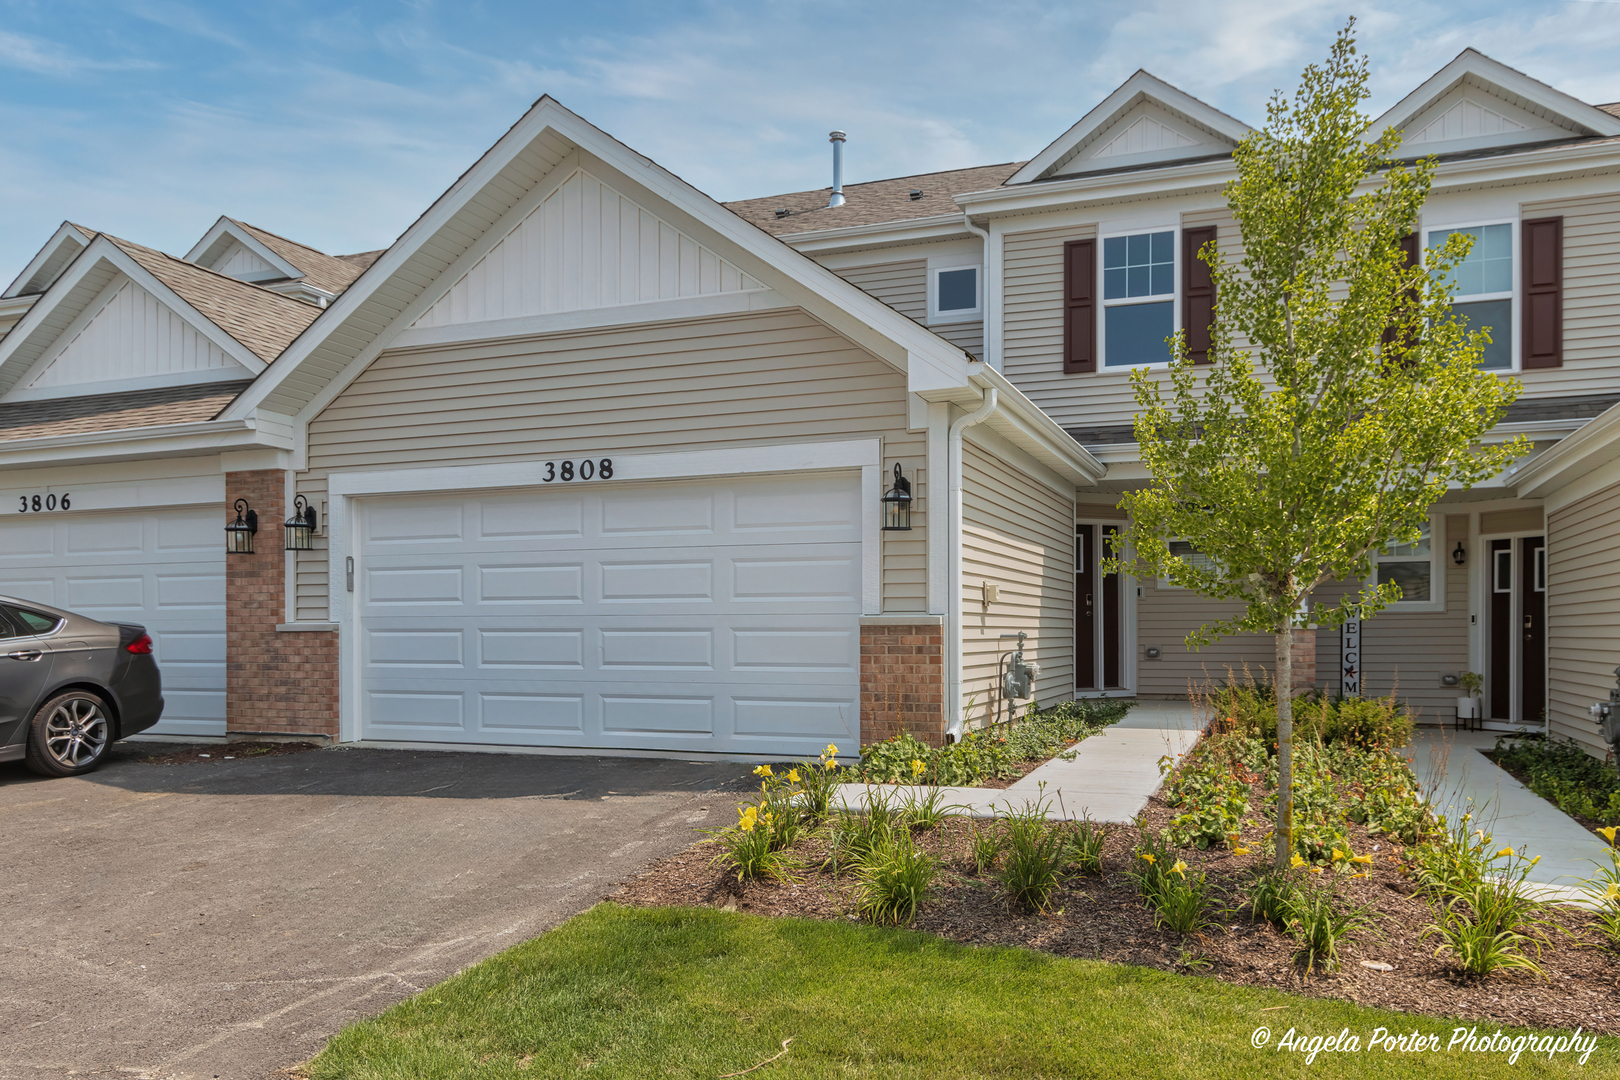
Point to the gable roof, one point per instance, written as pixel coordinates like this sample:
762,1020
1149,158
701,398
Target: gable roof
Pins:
288,259
1064,155
871,203
59,251
1559,114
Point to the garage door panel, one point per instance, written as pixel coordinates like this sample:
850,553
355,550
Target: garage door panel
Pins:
702,616
506,714
435,521
161,569
533,583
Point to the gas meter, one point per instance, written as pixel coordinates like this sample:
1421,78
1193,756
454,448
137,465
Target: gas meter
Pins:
1019,675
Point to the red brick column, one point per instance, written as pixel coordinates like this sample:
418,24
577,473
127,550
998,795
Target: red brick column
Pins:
1303,660
275,683
903,682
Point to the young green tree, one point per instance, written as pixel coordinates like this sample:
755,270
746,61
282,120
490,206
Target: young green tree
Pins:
1341,398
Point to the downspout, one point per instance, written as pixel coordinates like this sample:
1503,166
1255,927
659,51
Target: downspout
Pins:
990,289
953,574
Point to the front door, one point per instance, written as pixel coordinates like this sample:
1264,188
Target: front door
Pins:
1097,611
1517,626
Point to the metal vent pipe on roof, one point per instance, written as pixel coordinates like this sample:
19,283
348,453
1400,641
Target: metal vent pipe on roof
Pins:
837,140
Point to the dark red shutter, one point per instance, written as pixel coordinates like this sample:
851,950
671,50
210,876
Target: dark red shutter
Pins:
1079,306
1543,293
1197,293
1409,248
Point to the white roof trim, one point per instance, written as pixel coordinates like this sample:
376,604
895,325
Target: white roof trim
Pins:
125,444
1140,86
217,240
929,360
66,234
102,252
1473,62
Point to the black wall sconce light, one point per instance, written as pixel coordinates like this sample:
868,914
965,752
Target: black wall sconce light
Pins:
897,504
1459,554
301,526
239,533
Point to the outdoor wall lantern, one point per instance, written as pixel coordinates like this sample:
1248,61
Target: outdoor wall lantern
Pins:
301,526
1458,554
239,533
897,504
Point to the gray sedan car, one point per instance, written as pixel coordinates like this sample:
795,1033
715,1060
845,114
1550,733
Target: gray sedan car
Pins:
71,686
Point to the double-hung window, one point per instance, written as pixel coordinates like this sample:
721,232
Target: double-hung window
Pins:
1139,298
1416,568
1484,293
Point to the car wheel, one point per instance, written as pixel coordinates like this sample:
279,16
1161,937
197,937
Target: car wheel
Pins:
69,735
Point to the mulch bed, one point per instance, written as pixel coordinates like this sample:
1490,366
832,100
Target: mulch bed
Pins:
217,752
1104,918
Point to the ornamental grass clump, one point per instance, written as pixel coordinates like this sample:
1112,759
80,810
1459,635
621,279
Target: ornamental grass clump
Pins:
985,846
1180,901
1485,915
893,880
1086,840
749,847
817,781
1034,853
928,811
1317,919
856,835
1605,889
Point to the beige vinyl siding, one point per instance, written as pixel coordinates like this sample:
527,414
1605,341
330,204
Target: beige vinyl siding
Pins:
777,376
1591,297
1583,599
1032,342
904,287
310,598
1019,534
1164,617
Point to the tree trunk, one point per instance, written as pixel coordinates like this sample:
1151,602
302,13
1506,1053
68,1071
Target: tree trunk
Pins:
1283,684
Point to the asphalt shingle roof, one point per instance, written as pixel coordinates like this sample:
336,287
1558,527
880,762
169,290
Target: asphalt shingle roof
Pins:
113,412
871,203
333,273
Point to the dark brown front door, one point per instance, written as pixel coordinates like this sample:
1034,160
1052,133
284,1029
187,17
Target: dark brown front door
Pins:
1533,629
1501,629
1085,607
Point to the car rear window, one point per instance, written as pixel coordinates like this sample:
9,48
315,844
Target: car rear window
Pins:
32,622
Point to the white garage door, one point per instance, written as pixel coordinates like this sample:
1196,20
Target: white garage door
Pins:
163,569
701,616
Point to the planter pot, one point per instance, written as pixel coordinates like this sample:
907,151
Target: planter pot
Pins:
1468,708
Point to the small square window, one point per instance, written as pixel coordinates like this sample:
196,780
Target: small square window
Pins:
958,289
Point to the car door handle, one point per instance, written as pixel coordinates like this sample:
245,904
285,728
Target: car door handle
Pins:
25,654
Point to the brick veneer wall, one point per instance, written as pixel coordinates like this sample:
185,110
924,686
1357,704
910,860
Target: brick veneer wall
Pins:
903,682
283,683
1302,662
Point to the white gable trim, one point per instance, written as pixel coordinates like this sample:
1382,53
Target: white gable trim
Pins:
1515,86
28,341
52,251
224,235
929,360
1140,87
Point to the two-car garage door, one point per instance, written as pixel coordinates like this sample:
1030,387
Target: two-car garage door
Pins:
163,569
695,615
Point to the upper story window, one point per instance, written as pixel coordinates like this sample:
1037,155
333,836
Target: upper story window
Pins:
955,293
1484,293
1139,298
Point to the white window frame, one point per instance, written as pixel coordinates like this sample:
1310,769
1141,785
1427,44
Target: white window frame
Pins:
1437,571
1174,295
1166,583
944,263
1512,296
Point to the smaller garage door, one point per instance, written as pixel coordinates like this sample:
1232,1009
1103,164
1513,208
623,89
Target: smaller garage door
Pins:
163,569
684,616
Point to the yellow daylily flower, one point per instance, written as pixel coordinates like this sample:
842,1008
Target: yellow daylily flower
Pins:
1149,857
1612,892
831,751
793,776
1361,858
1535,860
1296,862
831,765
763,770
917,767
1316,870
1359,873
1609,833
1337,854
1504,852
1240,851
1179,868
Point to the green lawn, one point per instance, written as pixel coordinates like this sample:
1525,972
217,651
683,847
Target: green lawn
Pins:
625,992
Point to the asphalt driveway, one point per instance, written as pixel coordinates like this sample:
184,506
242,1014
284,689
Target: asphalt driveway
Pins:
225,918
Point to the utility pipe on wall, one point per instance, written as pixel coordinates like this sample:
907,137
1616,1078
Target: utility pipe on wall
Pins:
953,631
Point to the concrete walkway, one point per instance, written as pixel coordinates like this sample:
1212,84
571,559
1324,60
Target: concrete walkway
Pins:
1457,778
1111,778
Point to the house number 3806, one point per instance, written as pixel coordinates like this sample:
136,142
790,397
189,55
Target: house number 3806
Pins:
33,504
584,470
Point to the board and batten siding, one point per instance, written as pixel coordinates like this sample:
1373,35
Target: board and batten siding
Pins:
904,287
1583,612
1018,534
1591,294
745,380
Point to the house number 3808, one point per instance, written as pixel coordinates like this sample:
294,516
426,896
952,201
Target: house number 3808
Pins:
33,504
584,470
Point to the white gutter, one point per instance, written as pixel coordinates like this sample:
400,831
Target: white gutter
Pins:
953,573
168,440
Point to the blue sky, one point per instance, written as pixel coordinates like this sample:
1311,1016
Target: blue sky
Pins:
337,123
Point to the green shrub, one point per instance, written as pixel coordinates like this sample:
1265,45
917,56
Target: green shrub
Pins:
1180,901
894,880
1484,913
749,847
1247,706
1034,855
969,761
1211,789
1272,897
1563,773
